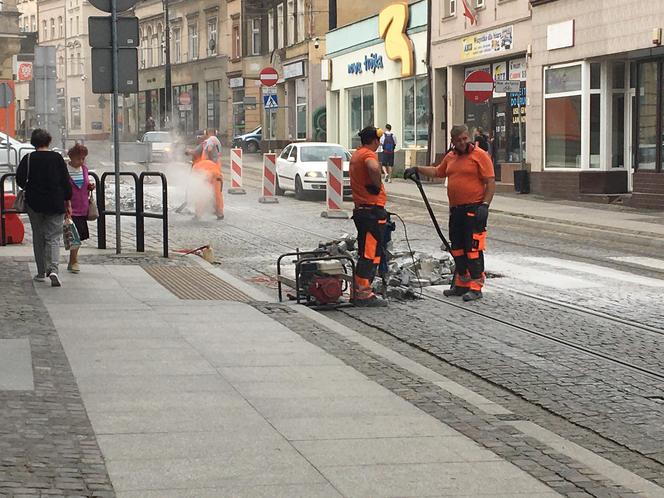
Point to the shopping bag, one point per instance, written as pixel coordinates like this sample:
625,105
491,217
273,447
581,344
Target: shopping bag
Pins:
70,235
19,203
93,211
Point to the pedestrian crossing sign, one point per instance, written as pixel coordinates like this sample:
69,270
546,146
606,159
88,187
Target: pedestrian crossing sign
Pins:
270,101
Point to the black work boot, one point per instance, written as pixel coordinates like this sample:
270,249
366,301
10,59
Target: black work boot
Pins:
372,302
455,291
472,295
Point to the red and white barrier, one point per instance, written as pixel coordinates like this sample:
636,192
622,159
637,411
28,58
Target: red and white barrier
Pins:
335,189
236,172
269,179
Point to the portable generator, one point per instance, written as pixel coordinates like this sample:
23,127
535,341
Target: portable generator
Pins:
323,277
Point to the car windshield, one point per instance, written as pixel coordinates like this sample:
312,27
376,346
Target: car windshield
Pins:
157,137
318,153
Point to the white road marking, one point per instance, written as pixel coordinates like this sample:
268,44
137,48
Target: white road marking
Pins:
641,261
598,271
536,275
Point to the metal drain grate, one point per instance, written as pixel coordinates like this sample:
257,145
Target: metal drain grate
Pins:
195,283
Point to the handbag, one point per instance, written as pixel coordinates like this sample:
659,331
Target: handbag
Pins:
93,211
70,235
20,206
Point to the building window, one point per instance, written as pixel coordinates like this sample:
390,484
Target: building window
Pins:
61,28
212,36
33,23
61,67
52,29
148,48
161,45
301,111
177,45
238,111
213,103
480,4
562,108
290,28
300,20
71,26
236,42
75,110
648,115
280,25
361,111
255,36
450,8
415,111
78,26
270,31
192,30
44,31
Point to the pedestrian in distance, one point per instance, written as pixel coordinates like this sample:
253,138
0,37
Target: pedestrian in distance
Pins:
44,177
471,184
388,144
481,140
150,124
82,186
369,215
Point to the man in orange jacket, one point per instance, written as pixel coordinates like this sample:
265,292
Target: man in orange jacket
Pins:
369,215
207,161
471,184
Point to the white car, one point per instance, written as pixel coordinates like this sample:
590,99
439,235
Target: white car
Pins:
9,158
162,143
302,167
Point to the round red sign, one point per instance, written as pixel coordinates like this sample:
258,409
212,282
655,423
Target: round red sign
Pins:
269,76
478,86
185,98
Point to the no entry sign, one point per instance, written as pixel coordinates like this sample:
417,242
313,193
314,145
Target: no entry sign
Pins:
269,76
478,86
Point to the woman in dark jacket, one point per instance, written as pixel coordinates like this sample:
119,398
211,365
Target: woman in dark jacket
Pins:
44,177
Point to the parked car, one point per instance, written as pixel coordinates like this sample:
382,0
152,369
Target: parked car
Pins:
249,141
302,167
162,142
16,150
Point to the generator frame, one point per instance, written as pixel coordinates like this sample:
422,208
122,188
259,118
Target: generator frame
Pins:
302,296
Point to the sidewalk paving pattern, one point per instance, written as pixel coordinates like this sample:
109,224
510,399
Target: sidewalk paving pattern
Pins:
200,398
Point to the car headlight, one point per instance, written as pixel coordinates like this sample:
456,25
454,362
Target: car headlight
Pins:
314,174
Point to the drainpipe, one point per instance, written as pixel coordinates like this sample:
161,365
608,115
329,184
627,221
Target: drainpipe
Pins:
430,84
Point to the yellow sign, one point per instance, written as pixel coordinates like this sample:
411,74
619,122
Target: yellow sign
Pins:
489,42
392,24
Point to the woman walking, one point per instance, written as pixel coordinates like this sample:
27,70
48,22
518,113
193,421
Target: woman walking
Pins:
81,188
44,177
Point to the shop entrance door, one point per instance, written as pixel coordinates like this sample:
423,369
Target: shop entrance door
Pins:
499,143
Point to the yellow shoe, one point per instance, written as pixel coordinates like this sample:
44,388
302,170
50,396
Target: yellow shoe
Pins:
73,268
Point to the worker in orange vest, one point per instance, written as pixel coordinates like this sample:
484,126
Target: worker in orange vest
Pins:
207,162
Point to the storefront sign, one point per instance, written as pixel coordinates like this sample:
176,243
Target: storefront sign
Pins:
499,74
97,125
236,82
489,42
24,71
518,70
392,25
372,62
294,70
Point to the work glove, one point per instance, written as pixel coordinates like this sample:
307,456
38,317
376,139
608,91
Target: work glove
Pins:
411,173
372,189
482,215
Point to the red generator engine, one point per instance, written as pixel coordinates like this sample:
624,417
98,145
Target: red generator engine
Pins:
14,229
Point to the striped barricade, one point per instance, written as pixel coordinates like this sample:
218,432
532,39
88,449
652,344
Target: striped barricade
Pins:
335,189
269,179
236,172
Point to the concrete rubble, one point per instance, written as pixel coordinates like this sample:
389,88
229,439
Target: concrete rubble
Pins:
407,272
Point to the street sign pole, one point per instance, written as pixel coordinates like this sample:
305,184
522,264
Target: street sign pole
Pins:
116,138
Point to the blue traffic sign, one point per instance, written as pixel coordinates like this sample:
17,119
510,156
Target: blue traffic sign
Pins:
270,101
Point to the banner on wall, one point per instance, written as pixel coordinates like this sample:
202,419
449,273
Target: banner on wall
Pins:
499,74
489,42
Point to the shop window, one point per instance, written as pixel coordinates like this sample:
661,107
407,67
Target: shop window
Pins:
595,75
517,107
75,110
647,112
562,131
415,108
595,138
213,95
618,130
238,111
301,104
361,112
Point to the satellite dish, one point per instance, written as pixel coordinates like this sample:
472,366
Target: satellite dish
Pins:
212,44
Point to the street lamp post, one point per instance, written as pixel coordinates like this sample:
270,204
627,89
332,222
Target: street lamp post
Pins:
167,77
